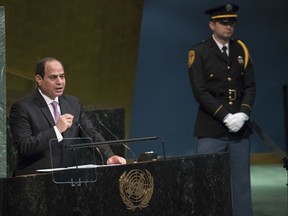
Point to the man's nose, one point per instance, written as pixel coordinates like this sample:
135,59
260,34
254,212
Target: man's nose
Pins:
59,80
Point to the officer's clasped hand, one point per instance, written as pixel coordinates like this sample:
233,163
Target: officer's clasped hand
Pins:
234,122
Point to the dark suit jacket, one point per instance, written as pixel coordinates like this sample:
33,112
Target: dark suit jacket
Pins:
31,124
211,76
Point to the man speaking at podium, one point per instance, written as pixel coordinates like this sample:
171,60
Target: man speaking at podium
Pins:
49,114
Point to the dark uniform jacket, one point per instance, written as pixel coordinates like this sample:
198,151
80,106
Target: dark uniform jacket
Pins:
31,124
221,85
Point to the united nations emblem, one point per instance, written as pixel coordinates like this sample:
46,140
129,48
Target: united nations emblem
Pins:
136,188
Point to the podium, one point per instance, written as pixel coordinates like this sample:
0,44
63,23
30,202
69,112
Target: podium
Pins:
179,186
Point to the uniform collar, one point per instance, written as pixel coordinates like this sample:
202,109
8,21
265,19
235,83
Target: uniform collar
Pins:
220,46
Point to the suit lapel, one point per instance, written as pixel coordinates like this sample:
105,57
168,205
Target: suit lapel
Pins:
41,103
65,108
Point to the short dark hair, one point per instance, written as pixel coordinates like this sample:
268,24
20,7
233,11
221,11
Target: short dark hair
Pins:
40,66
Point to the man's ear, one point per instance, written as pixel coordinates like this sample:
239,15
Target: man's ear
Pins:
212,25
38,79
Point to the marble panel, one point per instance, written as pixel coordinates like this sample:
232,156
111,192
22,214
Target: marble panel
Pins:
3,152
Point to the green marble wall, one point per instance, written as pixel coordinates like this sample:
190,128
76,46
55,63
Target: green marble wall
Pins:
2,95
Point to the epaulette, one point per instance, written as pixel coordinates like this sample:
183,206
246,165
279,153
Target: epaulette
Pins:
198,44
203,41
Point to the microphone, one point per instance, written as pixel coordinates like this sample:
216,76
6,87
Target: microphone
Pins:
78,124
110,132
81,128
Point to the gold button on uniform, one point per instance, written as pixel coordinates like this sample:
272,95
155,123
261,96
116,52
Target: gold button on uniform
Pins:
230,103
229,79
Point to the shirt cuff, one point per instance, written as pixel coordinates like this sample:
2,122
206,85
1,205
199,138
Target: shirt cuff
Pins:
58,134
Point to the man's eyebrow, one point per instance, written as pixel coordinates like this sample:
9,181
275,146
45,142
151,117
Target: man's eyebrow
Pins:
57,74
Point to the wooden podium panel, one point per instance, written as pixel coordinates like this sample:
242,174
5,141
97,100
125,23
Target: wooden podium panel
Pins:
180,186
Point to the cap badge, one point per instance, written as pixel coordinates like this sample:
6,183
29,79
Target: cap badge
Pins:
229,7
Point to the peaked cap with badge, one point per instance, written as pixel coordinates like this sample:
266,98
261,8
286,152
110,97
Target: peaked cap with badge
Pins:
227,11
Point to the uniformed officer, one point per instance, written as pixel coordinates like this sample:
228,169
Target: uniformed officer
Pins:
223,83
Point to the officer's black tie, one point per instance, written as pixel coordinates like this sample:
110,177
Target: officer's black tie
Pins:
224,49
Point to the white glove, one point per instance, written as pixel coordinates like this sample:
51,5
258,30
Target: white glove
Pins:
227,119
236,121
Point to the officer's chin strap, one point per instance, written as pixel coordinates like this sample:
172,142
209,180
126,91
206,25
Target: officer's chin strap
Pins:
269,142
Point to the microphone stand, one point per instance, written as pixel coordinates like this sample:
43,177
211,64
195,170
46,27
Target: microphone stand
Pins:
110,132
113,142
97,149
